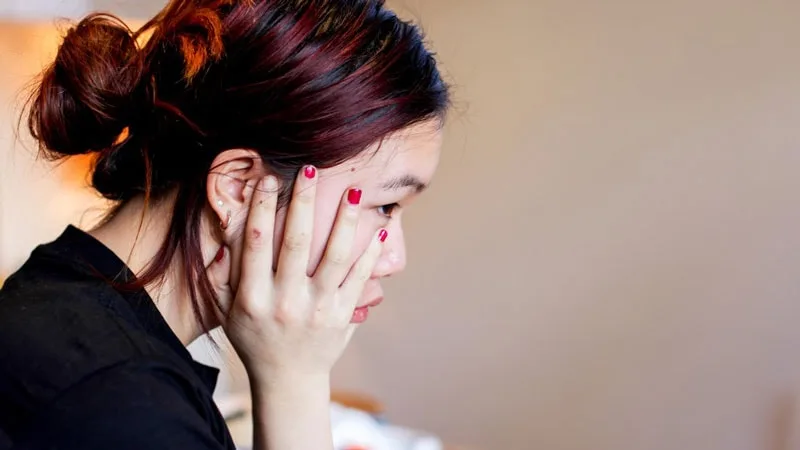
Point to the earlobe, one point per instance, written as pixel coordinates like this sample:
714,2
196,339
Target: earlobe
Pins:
230,180
224,224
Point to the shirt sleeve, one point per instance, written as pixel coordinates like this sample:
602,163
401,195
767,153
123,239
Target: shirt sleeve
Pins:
131,406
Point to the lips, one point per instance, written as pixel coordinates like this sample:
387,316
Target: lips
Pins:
374,302
361,313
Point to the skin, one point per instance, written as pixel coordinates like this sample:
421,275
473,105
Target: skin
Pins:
410,154
414,151
289,280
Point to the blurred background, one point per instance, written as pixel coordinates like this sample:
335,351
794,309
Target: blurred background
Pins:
609,257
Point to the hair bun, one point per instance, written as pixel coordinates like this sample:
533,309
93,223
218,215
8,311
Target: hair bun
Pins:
91,93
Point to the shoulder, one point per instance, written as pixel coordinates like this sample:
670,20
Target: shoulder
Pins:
56,332
62,327
55,309
132,405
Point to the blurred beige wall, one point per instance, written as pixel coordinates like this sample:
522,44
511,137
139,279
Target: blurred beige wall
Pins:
610,255
36,200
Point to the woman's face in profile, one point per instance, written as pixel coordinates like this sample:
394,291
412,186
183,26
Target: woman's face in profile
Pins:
390,179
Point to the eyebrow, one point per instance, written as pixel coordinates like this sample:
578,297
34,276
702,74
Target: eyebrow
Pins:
404,182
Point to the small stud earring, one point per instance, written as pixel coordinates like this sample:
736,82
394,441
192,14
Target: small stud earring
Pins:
220,203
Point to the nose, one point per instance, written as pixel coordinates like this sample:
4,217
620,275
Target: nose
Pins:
393,256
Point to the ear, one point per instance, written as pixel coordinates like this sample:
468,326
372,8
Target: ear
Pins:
230,183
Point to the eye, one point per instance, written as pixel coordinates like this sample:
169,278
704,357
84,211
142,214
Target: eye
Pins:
387,210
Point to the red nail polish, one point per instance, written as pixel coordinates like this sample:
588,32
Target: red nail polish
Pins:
220,254
383,235
310,172
354,196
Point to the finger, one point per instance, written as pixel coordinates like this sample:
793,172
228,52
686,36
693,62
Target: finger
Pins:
351,329
296,245
338,254
256,257
353,285
218,272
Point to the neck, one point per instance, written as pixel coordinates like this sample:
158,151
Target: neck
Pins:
135,234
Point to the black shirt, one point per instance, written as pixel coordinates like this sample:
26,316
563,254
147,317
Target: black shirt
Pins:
84,365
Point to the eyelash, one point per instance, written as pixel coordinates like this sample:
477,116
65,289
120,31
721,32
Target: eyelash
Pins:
387,210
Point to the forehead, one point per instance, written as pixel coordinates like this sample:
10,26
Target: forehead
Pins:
413,151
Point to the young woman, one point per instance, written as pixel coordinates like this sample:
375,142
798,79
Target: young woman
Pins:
260,155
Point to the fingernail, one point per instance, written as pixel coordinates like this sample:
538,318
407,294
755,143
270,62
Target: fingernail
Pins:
220,254
383,235
310,172
354,196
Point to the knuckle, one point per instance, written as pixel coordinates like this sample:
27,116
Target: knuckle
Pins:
363,276
338,256
304,198
251,311
256,241
324,288
362,273
266,202
295,241
284,314
349,217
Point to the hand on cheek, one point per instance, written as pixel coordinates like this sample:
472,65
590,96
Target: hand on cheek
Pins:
288,321
328,204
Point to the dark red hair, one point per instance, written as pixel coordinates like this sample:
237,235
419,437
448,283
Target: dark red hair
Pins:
298,81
